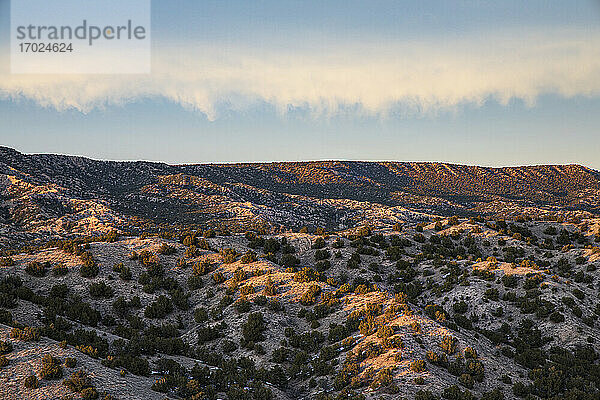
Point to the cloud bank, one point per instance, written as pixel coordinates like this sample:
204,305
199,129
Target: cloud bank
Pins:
374,77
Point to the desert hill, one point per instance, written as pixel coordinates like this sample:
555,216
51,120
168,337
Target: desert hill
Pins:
314,280
75,193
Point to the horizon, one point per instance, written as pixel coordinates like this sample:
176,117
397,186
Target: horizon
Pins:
299,161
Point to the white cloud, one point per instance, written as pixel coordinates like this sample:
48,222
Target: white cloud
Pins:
426,76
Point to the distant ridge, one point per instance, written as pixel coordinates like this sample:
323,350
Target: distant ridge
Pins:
215,192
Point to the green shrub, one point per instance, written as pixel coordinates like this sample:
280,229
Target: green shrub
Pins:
557,317
37,269
246,290
101,290
123,271
218,277
440,359
242,305
5,347
495,394
492,294
159,308
322,255
229,346
289,261
89,270
207,333
307,275
89,393
26,334
260,300
180,299
7,261
5,317
449,344
466,380
195,282
166,250
31,382
470,353
51,368
310,296
229,255
270,289
338,243
58,291
249,257
418,366
252,330
60,270
70,362
200,315
200,268
319,243
78,381
460,307
475,369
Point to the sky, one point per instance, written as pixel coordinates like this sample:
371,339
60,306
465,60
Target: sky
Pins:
471,82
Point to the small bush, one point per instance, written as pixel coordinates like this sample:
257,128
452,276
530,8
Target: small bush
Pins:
70,362
218,277
60,270
160,308
229,346
167,250
246,290
78,382
7,262
51,368
449,344
557,317
31,382
466,380
270,289
289,261
200,315
89,393
310,296
26,334
101,290
89,270
470,353
418,366
307,275
252,330
195,282
249,257
242,305
229,255
5,347
495,394
123,271
201,267
37,269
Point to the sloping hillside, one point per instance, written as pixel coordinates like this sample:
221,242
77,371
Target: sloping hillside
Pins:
40,189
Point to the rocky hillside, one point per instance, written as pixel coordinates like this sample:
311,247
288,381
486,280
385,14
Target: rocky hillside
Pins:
315,280
62,194
453,309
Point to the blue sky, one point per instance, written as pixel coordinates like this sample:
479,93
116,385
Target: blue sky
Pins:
476,82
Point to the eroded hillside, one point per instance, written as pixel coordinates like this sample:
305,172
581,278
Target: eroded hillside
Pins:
452,308
61,195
